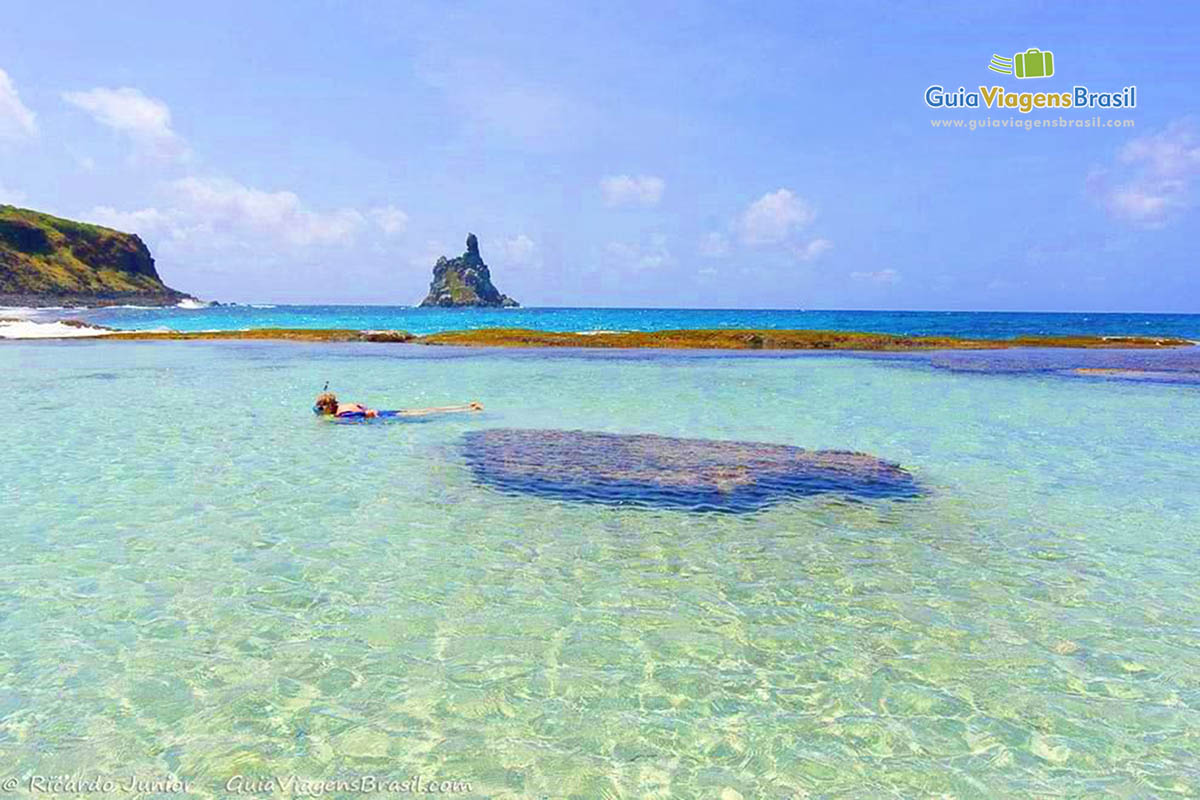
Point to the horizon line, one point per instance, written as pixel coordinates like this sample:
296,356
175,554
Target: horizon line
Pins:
414,307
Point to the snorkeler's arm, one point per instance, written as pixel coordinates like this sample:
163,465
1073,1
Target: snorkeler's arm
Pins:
419,412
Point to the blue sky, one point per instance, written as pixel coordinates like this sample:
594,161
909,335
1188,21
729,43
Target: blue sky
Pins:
617,154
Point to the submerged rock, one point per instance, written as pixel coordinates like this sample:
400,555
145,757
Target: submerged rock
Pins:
663,471
1179,365
465,281
387,336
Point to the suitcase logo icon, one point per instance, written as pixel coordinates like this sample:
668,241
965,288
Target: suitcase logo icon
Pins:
1033,63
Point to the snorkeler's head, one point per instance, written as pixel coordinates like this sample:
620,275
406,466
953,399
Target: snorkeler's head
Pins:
326,403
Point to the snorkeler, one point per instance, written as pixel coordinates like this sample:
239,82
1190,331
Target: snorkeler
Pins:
327,405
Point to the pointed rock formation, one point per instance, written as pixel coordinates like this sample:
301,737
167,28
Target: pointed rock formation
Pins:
465,281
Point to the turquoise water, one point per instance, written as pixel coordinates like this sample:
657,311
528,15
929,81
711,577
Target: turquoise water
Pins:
997,325
199,577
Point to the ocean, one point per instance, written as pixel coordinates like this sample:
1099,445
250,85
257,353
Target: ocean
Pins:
994,325
201,578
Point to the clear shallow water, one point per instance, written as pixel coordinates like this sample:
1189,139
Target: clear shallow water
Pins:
429,320
200,577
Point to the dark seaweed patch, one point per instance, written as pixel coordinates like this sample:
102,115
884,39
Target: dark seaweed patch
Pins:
1176,365
668,472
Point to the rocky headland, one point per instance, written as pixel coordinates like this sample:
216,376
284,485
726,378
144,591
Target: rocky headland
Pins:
50,261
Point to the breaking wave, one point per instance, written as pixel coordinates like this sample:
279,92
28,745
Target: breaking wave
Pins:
27,329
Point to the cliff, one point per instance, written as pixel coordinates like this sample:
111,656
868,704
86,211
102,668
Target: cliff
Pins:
46,260
464,281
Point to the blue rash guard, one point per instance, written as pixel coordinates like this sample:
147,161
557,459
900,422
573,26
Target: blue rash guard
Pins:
360,415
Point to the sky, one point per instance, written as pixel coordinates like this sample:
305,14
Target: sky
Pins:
720,155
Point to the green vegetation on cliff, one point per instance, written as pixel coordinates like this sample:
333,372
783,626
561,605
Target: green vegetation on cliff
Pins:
49,260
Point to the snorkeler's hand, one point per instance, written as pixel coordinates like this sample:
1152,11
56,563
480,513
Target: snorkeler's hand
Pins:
475,405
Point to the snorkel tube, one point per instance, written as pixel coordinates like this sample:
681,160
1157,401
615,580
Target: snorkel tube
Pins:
316,408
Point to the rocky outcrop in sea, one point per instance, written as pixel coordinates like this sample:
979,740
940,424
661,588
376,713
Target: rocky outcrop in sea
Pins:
465,282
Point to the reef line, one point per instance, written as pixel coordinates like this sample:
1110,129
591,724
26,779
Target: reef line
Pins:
725,339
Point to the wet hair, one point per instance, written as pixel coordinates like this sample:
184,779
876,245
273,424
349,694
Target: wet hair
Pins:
327,403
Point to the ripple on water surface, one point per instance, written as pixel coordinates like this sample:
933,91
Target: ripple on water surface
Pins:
199,576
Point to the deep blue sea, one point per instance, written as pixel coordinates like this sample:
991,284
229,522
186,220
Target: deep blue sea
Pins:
993,325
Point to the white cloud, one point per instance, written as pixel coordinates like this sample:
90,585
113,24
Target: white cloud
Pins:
145,222
391,220
814,249
520,251
1152,182
16,121
883,277
774,217
714,245
1148,205
1174,151
217,213
640,256
145,120
230,205
632,190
